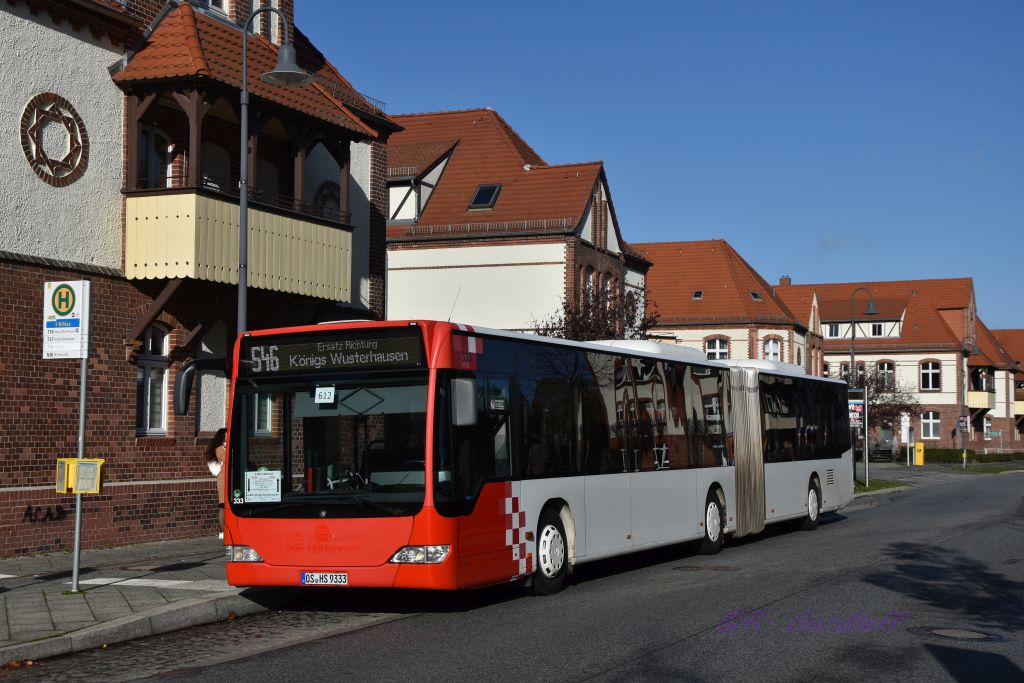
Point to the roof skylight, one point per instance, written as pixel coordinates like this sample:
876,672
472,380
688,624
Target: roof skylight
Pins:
485,197
698,294
755,296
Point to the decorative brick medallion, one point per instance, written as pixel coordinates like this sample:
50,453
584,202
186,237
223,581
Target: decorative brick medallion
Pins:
54,140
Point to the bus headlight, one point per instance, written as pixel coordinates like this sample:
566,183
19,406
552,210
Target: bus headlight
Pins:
421,554
241,553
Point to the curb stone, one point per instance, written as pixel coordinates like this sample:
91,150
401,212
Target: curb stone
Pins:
162,619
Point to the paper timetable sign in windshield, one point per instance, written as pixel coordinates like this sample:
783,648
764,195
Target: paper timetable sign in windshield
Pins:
384,349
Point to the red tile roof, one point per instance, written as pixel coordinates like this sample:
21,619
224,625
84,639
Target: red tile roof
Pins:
991,352
723,277
1012,342
187,43
533,196
934,316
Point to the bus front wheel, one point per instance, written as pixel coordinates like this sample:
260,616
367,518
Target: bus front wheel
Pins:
552,558
714,525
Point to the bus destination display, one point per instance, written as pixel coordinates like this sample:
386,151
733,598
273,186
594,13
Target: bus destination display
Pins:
271,356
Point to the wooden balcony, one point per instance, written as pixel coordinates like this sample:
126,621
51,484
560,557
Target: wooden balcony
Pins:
185,233
981,400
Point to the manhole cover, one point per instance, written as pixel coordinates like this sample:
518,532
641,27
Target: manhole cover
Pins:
968,635
706,568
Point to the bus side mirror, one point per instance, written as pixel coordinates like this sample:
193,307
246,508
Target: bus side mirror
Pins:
464,408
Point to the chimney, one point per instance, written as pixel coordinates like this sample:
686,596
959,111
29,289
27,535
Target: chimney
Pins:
785,280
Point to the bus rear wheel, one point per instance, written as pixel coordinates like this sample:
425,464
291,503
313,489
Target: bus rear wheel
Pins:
714,525
552,558
813,507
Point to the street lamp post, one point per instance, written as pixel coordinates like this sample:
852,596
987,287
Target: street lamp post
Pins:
868,310
286,73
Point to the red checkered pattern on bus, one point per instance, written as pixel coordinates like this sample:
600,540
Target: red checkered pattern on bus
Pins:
515,530
465,349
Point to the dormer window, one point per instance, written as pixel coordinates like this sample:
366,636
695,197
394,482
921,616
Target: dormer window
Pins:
755,296
698,294
485,197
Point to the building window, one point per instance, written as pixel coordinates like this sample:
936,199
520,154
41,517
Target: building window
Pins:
826,370
698,294
886,375
844,374
261,415
931,427
219,5
773,350
151,383
485,197
717,349
931,379
832,330
155,164
876,329
755,296
987,424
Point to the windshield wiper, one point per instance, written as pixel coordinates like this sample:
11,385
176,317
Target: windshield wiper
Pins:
311,499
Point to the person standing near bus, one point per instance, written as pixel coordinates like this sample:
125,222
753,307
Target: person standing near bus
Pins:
215,461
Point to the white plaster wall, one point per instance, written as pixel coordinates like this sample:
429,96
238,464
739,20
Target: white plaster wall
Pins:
908,369
694,339
507,287
80,222
359,207
211,397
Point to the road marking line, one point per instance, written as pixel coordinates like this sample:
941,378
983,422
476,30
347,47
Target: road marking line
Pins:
8,576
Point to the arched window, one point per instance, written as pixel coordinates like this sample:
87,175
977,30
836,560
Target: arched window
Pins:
886,375
931,376
773,350
931,425
717,349
151,382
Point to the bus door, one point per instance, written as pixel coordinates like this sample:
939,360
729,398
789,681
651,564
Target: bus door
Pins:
657,505
606,397
482,471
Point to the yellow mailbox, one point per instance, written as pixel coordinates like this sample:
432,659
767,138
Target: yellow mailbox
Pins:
79,476
919,453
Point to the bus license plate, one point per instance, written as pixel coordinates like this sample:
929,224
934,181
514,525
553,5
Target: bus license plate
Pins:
324,579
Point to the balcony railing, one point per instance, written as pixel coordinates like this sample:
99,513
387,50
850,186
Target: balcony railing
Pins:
981,399
224,187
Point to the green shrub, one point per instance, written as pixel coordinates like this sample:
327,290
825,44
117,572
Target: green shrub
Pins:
955,455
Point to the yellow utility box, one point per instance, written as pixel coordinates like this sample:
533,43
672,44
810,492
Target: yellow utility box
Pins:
919,453
79,476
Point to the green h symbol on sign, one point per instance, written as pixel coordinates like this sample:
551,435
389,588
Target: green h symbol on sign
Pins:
63,300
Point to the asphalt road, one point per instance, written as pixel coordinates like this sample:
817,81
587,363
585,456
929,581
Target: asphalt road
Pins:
857,599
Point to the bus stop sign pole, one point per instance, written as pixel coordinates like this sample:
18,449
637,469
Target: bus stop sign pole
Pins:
66,335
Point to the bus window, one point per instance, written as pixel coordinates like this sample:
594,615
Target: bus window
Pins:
604,417
476,453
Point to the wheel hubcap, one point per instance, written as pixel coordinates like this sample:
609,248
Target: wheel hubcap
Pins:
713,522
551,551
812,504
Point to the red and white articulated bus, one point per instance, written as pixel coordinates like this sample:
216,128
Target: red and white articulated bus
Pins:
424,454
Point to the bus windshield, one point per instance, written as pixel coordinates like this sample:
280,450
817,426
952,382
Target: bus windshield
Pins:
339,445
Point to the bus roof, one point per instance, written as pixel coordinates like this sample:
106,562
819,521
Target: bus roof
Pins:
774,368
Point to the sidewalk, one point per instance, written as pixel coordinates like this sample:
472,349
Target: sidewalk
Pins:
925,475
124,593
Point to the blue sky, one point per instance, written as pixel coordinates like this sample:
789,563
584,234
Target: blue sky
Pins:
829,141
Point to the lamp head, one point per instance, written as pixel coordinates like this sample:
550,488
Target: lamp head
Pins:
870,309
287,72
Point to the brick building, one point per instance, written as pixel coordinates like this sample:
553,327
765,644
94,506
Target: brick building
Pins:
709,298
125,174
926,337
1013,343
482,230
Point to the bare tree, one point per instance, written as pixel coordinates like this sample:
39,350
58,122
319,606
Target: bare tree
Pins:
888,399
601,316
